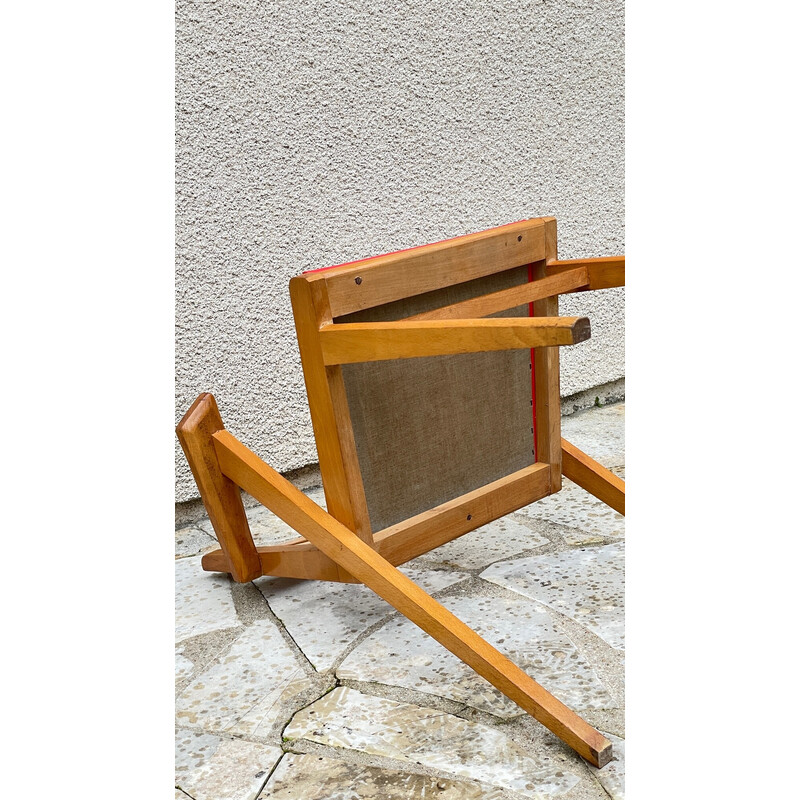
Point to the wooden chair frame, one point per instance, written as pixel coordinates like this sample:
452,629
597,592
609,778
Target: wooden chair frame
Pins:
339,545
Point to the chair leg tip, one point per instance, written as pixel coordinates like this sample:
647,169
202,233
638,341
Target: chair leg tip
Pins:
603,756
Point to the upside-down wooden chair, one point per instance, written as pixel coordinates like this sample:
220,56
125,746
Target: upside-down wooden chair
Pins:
433,384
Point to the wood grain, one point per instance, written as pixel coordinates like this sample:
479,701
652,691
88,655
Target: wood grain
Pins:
354,342
604,273
593,477
221,497
382,279
547,365
330,418
303,562
421,533
509,298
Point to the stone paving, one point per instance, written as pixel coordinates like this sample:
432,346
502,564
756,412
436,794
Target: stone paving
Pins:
297,690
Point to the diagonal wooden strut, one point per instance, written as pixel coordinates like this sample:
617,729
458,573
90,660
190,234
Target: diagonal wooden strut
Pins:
593,477
604,273
355,556
567,281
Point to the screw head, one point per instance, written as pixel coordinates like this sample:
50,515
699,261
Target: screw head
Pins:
358,281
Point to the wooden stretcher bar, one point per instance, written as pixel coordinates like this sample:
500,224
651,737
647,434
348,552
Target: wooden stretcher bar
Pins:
350,343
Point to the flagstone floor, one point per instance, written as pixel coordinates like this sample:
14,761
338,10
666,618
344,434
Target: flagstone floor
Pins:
319,691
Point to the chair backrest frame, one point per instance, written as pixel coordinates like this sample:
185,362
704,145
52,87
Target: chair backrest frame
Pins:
319,297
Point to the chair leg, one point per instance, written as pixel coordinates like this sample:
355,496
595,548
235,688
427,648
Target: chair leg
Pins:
220,495
365,564
592,477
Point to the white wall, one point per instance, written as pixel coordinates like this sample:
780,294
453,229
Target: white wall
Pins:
313,133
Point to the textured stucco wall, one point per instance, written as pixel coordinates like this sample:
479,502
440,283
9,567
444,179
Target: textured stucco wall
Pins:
313,133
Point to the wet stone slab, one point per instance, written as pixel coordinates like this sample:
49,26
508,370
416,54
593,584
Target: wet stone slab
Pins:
409,733
246,692
312,777
203,601
599,432
324,618
587,585
499,539
400,654
587,518
612,775
208,767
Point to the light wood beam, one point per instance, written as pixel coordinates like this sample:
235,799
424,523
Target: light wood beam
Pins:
547,372
604,273
509,298
221,498
302,561
330,417
421,533
354,342
383,279
593,477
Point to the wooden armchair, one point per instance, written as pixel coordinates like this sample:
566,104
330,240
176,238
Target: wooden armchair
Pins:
432,377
